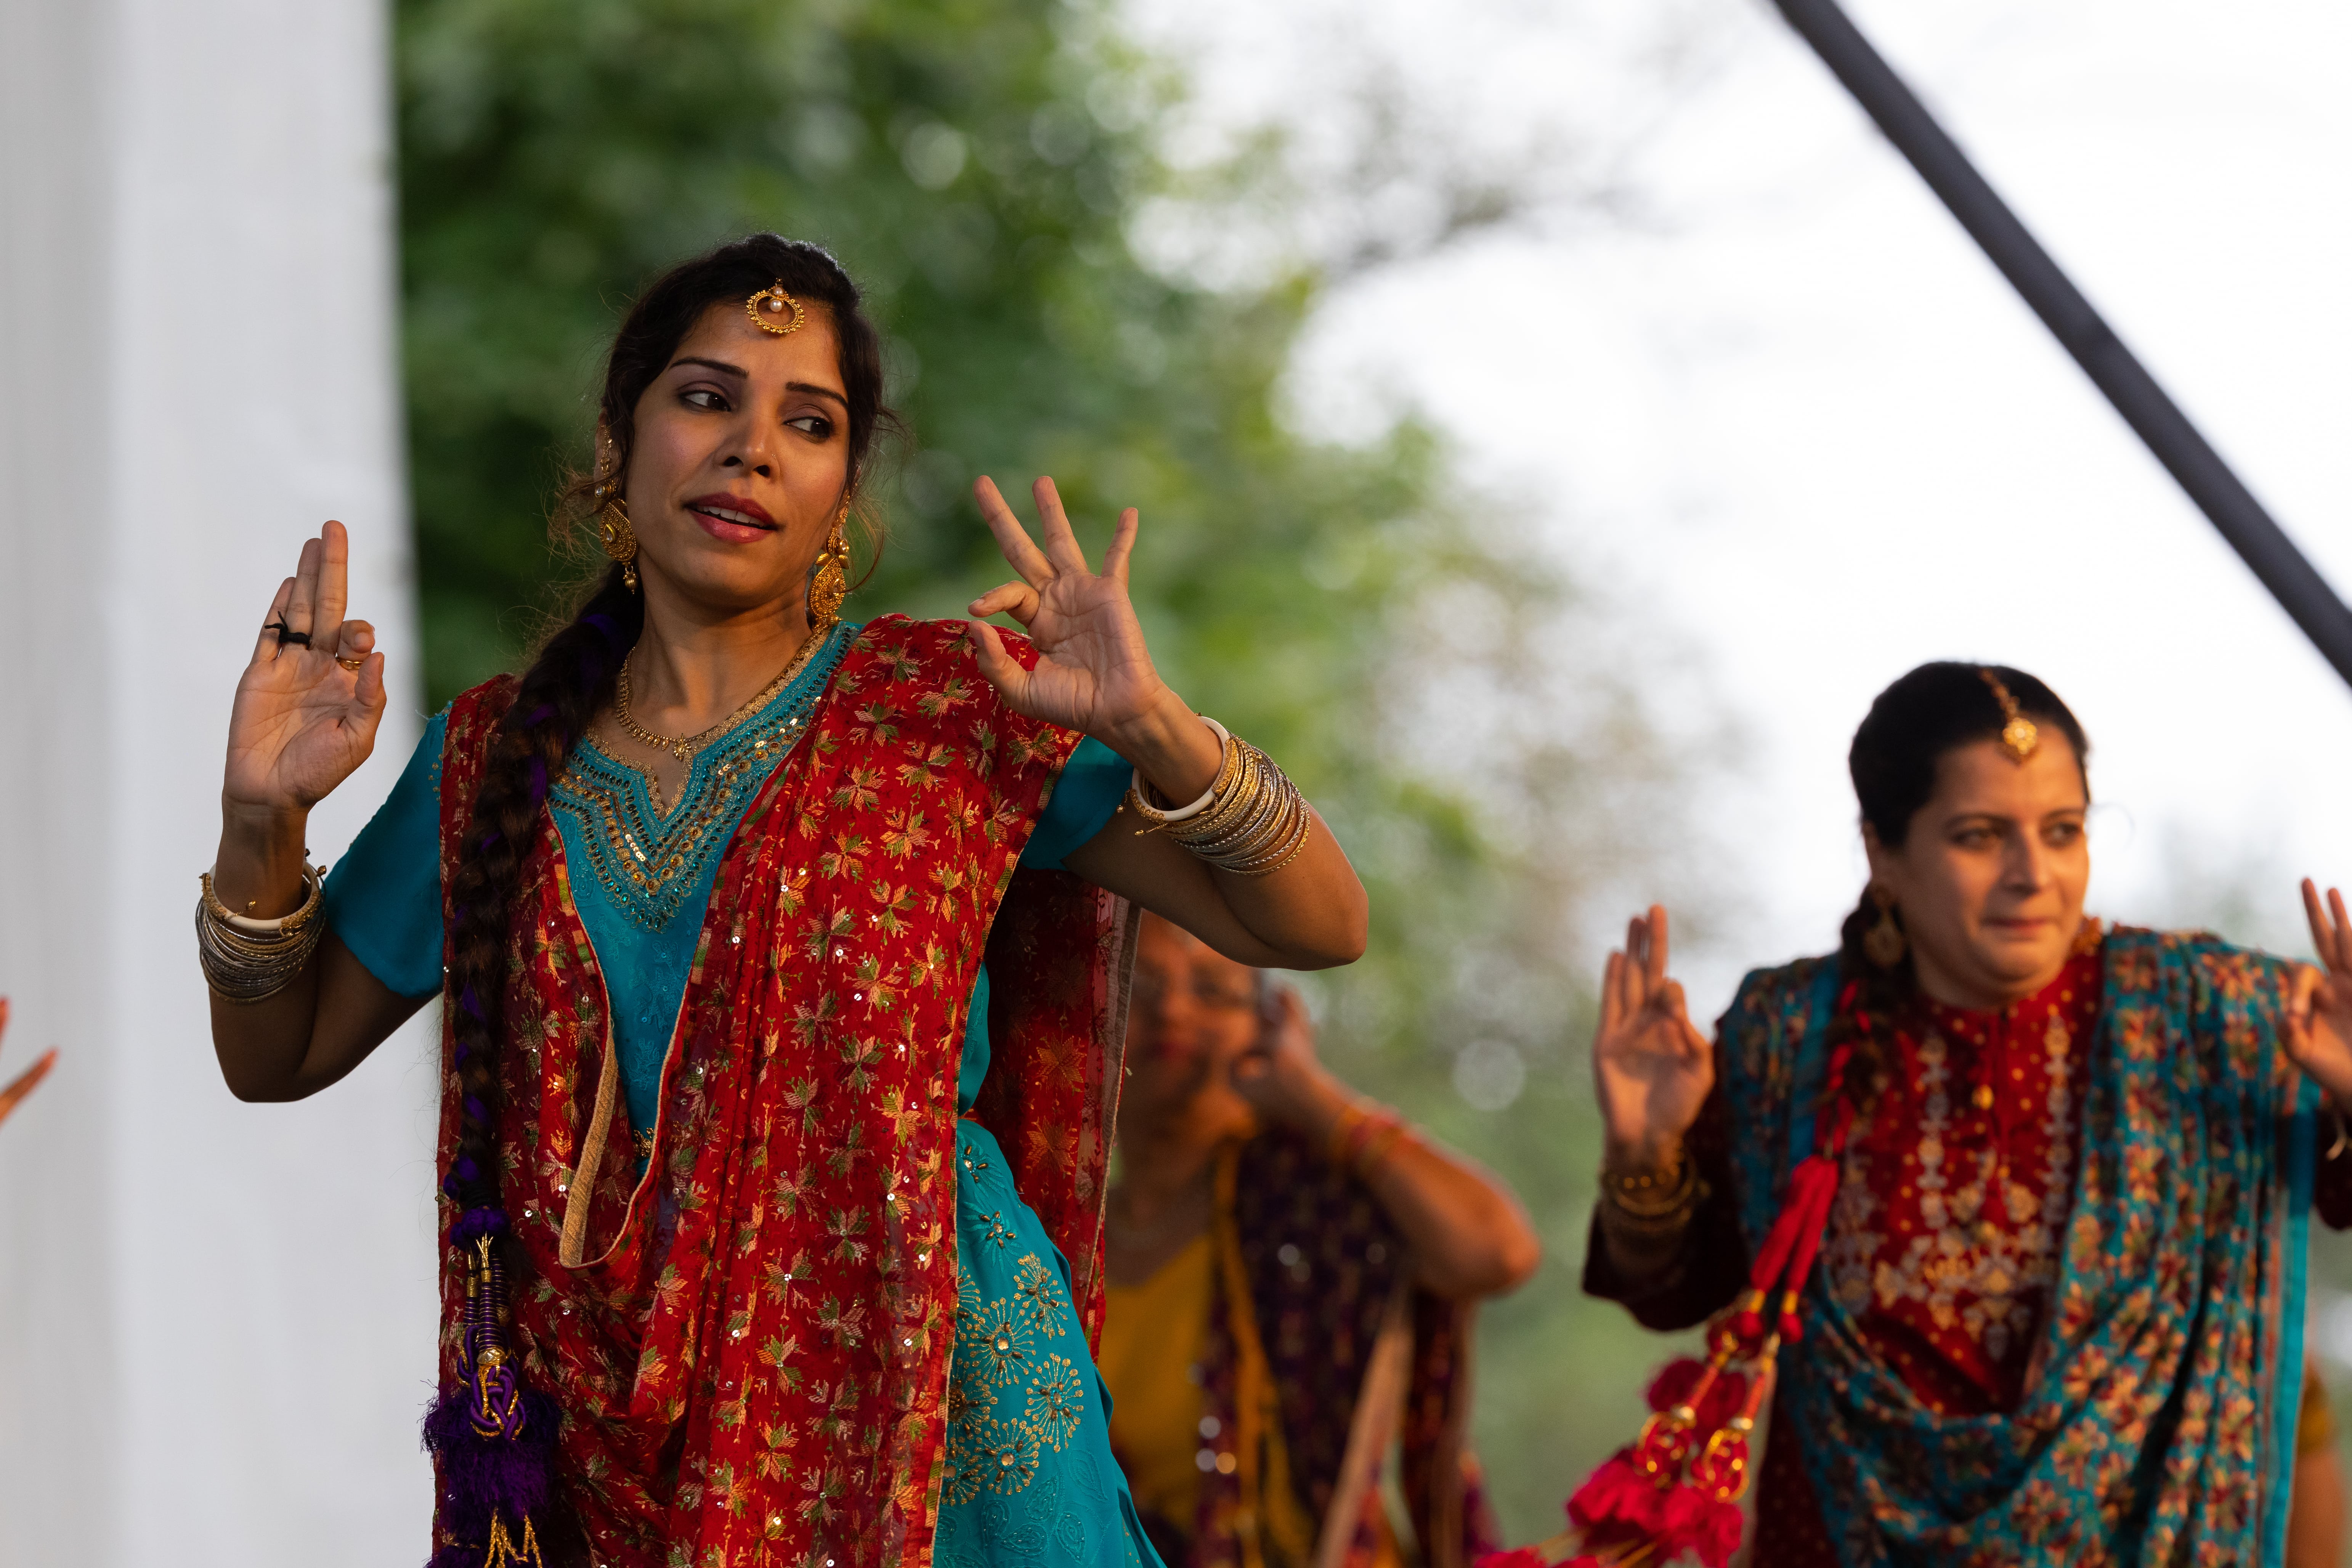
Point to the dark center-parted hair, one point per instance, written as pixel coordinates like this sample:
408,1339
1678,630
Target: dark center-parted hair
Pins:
573,677
1914,724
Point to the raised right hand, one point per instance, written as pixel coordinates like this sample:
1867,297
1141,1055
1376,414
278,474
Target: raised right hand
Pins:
1650,1069
303,723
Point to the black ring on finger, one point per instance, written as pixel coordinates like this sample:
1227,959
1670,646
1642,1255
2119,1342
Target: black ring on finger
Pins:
287,634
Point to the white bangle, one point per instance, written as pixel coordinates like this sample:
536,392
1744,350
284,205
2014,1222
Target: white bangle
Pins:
314,883
1202,805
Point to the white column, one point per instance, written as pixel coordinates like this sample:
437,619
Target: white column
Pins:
217,1320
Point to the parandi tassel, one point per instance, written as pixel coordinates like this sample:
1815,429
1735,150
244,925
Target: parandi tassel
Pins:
492,1439
1674,1493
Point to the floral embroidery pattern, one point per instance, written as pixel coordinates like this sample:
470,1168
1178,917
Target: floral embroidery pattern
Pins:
1056,1402
1944,1240
994,1342
1039,1291
753,1360
2157,1424
1011,1400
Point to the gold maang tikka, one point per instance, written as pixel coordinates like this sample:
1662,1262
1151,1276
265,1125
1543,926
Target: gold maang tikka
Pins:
2018,733
774,311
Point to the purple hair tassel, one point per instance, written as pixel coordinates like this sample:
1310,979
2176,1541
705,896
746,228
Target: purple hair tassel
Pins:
493,1439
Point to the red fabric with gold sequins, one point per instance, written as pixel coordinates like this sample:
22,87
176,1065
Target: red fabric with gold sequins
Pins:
1949,1223
752,1357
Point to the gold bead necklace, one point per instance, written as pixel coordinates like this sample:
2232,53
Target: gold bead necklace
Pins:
683,747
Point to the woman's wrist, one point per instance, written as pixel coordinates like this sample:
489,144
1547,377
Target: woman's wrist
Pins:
1651,1150
258,869
1177,754
1317,1108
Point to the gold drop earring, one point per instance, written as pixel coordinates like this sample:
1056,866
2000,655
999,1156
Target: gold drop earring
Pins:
619,540
829,578
1884,944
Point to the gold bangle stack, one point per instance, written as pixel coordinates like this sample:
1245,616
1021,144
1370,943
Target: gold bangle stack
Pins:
248,960
1652,1202
1251,822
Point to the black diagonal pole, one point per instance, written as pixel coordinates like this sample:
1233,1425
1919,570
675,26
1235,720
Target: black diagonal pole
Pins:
2258,541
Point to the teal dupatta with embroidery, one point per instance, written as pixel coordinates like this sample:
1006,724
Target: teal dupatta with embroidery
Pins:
2158,1419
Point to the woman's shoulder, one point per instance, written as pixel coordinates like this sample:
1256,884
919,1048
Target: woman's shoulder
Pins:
2139,957
909,648
1769,998
469,722
928,672
482,707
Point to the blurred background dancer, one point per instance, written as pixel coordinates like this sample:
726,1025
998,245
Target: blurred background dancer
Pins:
1293,1273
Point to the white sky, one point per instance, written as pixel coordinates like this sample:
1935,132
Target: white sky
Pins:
1802,424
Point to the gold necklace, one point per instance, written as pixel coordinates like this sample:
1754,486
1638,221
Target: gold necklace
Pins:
683,747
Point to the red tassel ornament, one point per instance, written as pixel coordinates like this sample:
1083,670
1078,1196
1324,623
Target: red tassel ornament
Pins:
1674,1493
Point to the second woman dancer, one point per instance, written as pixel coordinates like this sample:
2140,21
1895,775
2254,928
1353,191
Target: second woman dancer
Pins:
2059,1177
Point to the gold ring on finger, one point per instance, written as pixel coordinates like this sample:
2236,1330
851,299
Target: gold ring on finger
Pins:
352,664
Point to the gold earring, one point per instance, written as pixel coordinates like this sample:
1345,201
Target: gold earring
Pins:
1884,944
829,579
619,540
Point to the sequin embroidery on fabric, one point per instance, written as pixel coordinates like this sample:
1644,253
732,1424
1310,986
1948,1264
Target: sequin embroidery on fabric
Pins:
1028,1433
649,863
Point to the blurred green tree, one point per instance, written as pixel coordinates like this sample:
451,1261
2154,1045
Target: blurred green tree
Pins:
1426,673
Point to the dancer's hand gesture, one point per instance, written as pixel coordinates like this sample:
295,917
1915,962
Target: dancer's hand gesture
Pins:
1650,1069
2319,1012
1093,672
305,718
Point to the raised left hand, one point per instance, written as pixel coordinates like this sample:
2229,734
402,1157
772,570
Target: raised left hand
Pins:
2319,1013
1093,672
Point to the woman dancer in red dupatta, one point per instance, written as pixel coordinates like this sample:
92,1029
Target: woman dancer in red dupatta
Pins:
775,1224
2060,1174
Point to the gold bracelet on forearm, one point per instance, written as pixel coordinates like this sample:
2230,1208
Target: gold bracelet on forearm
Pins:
247,960
1250,821
1652,1201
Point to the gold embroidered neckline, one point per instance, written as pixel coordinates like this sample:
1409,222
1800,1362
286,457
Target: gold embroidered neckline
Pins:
683,747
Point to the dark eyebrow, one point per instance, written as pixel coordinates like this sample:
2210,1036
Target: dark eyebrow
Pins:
738,372
812,388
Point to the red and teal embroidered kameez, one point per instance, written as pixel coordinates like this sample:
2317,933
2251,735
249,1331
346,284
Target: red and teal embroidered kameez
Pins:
2059,1310
838,1309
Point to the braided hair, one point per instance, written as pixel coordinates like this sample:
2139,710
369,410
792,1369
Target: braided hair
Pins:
1935,709
573,676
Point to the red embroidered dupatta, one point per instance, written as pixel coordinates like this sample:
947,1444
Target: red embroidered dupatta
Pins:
751,1352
